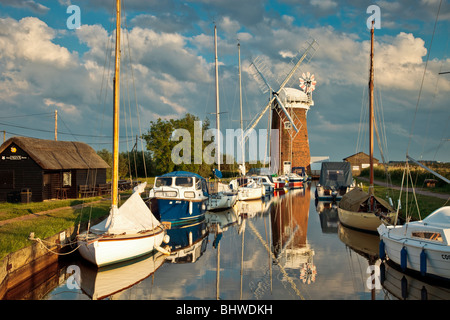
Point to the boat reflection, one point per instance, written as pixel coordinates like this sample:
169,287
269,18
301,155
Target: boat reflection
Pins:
187,242
113,281
411,287
395,283
328,216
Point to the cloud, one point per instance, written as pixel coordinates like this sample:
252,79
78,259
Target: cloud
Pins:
28,4
30,39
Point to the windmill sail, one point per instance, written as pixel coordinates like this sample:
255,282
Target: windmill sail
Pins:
259,69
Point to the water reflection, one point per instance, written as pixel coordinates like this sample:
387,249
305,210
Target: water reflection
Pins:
271,249
112,281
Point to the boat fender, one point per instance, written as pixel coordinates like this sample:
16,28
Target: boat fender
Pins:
382,250
403,257
423,262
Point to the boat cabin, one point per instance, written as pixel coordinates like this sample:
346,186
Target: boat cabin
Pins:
179,184
35,169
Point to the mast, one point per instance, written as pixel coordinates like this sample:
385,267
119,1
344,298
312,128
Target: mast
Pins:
371,113
115,175
217,99
240,104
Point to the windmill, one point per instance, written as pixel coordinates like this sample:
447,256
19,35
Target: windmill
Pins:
284,101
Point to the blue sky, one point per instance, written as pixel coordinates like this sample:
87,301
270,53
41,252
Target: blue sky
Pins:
44,66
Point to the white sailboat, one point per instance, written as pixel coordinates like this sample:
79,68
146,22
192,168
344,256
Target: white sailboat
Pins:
364,210
247,188
222,199
131,230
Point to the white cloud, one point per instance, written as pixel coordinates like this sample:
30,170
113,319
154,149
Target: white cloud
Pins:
67,108
324,4
30,39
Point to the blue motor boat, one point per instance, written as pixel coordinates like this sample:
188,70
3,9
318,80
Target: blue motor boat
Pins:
179,197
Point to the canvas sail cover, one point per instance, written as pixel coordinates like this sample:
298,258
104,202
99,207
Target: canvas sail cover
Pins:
336,174
353,199
132,217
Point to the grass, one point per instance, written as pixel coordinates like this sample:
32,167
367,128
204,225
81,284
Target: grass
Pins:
14,236
426,204
13,210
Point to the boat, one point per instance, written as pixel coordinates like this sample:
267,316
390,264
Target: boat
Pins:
294,181
179,197
247,188
301,171
335,180
266,181
280,182
357,208
422,246
224,198
132,230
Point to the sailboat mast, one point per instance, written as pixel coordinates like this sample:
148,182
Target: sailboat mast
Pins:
371,113
240,104
115,175
217,99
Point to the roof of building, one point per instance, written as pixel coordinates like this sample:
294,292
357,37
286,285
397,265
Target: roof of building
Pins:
58,155
360,154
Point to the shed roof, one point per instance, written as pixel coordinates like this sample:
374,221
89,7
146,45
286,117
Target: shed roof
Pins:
58,155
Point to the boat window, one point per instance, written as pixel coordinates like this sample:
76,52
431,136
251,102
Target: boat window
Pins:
204,188
184,181
335,175
163,182
428,235
242,181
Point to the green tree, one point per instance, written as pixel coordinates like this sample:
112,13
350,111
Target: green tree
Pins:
160,144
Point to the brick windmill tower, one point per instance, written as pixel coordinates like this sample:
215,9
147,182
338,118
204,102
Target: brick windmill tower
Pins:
289,143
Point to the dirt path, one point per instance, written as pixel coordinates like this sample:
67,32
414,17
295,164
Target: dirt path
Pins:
417,190
37,214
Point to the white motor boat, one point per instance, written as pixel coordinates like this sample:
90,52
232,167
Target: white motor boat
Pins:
420,245
247,188
222,200
267,182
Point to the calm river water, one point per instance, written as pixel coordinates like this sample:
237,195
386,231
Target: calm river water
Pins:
287,247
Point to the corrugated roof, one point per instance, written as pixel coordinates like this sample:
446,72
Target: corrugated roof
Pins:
58,155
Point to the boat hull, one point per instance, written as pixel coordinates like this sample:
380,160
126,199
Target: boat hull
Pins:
222,200
437,256
250,193
279,185
106,250
180,211
295,184
368,222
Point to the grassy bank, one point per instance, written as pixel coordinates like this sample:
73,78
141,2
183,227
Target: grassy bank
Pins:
14,236
426,204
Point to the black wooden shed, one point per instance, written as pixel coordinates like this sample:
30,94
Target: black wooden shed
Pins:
47,169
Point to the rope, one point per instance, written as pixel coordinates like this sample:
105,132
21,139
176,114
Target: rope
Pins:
423,77
51,251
